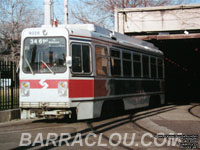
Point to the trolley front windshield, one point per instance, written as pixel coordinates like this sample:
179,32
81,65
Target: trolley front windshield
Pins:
44,55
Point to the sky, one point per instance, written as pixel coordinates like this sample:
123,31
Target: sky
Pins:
59,8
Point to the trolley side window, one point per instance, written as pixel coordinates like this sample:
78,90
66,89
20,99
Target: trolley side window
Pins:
145,65
115,62
81,58
160,68
127,69
153,68
137,65
101,60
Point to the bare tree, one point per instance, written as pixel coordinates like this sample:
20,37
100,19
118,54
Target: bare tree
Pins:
101,12
15,16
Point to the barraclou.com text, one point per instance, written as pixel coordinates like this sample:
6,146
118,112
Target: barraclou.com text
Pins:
115,139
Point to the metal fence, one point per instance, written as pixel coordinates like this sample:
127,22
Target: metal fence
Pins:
9,85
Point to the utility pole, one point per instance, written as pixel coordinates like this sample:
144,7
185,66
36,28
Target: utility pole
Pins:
66,11
48,12
116,20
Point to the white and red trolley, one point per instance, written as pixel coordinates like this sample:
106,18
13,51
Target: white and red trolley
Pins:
87,70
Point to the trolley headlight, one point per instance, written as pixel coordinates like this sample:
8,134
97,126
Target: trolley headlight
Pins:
62,88
25,88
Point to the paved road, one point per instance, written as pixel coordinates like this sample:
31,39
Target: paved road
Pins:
132,130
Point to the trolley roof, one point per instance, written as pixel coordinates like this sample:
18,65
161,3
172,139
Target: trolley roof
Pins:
91,30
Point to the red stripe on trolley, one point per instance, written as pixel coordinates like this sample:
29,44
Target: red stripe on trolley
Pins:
77,88
81,88
39,84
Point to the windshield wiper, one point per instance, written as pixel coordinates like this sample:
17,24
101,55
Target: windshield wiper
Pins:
48,67
29,66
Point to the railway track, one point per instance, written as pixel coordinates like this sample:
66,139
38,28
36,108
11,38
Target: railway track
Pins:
190,110
128,119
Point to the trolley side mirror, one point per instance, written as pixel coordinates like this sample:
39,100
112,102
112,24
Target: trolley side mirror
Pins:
17,68
69,61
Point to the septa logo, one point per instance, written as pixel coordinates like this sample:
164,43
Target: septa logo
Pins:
44,84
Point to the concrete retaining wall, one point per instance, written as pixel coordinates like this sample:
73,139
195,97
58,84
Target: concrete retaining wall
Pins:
8,115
